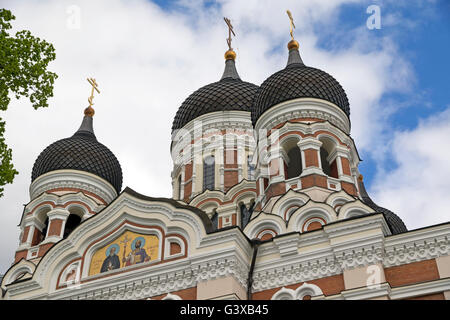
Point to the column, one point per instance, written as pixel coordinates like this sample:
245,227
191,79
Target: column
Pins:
310,151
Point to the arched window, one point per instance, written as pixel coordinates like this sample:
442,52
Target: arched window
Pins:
43,232
208,173
179,187
72,222
323,159
327,148
250,168
246,213
294,167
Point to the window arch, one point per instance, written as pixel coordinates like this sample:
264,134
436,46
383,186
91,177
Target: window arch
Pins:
327,148
250,168
73,220
246,213
293,167
209,173
179,187
42,217
40,235
323,159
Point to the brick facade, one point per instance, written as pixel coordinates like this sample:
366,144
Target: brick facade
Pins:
412,273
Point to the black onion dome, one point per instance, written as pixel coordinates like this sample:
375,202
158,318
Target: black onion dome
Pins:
81,152
298,81
394,222
230,93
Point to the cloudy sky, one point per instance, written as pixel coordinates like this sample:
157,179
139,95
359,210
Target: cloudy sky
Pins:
148,56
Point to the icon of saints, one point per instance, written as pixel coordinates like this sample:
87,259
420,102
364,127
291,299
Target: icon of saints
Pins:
138,255
111,262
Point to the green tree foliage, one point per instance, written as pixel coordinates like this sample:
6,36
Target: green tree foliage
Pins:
23,72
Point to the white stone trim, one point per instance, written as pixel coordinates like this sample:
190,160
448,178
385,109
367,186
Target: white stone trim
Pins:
170,296
304,108
172,239
420,289
297,294
73,179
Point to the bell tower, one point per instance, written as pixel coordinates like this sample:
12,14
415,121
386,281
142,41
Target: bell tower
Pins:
301,118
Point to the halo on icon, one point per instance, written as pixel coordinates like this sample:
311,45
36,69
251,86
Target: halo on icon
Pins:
115,245
133,244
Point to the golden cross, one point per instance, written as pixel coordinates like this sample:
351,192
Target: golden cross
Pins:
125,240
230,31
292,23
94,86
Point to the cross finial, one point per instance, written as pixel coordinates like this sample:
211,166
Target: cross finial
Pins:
292,23
125,240
230,31
94,87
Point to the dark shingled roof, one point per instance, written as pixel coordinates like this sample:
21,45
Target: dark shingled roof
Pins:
81,152
230,93
395,223
298,81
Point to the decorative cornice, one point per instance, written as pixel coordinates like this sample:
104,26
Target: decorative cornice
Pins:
304,108
73,179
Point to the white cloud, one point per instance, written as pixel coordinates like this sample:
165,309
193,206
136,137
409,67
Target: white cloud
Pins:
147,61
418,189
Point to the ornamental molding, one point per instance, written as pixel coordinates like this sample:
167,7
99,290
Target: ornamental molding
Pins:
348,150
73,179
96,224
292,273
363,293
20,267
304,108
385,290
242,191
238,121
297,294
417,245
231,260
160,279
420,289
326,257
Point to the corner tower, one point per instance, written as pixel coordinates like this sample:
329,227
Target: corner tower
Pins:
301,117
72,179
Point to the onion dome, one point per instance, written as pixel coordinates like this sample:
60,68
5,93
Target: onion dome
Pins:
81,152
229,93
394,222
298,81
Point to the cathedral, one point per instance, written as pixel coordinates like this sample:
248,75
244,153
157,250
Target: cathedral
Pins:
268,204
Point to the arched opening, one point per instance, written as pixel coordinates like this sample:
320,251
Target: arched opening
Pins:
293,167
175,248
250,168
179,187
246,213
208,173
323,159
72,222
215,219
327,148
39,236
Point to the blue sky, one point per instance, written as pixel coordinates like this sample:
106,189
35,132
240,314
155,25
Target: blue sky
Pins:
149,56
423,36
